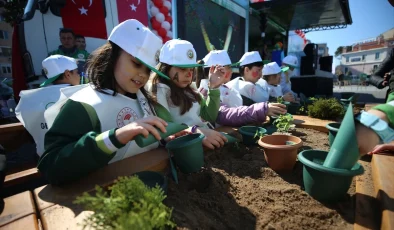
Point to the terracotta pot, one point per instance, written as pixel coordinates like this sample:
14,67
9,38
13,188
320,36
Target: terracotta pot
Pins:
280,151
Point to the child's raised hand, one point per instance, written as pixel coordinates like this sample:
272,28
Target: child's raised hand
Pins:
276,109
212,139
142,126
216,76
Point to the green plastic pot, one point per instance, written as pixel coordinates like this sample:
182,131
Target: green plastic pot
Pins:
188,152
293,108
248,134
230,139
171,128
323,183
332,131
151,179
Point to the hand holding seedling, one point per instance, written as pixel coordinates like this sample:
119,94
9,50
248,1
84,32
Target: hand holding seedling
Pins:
143,126
216,76
212,138
276,109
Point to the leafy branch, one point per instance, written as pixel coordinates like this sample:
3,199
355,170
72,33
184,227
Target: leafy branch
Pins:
13,10
129,204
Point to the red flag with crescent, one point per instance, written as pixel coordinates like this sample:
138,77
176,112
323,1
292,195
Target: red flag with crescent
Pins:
133,9
85,17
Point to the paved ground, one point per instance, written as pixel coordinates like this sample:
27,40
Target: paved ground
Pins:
369,94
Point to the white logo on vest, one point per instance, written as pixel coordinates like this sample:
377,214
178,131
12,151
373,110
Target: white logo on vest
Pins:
125,117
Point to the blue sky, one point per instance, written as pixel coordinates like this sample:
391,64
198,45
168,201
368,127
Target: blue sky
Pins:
370,18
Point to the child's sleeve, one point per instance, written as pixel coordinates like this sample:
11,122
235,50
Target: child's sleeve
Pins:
75,145
210,105
242,115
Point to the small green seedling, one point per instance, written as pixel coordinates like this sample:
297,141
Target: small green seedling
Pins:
284,123
280,99
259,134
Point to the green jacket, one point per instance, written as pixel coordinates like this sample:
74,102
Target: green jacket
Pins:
77,54
74,146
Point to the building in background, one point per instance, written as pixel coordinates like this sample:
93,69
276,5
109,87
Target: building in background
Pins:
5,48
366,55
322,50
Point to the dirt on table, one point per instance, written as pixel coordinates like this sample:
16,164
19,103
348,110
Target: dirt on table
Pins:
237,190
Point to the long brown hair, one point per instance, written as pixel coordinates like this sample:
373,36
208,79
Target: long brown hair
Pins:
181,97
200,73
101,68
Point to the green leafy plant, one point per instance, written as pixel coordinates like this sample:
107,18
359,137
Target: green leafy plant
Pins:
129,204
304,105
259,134
13,10
284,123
326,109
280,99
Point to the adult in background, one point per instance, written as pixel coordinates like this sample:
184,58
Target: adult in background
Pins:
381,77
68,47
80,42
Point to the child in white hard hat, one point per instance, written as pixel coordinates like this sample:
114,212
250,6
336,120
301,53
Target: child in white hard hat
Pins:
184,103
97,123
291,62
250,68
271,81
61,72
231,111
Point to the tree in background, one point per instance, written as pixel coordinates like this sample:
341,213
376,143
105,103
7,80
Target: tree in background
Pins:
339,51
12,10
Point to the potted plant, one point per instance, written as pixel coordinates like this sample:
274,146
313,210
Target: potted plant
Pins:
251,134
280,151
128,204
326,183
188,152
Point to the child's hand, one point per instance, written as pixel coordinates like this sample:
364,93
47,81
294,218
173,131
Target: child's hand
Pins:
212,138
276,109
216,76
289,97
179,134
383,148
143,126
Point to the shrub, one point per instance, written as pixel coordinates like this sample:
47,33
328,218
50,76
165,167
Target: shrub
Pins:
129,204
326,109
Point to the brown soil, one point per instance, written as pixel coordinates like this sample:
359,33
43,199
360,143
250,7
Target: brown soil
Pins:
237,190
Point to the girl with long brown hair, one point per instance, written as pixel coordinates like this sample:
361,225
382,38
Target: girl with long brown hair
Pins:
98,122
173,91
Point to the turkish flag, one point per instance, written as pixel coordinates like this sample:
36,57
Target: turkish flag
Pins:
133,9
85,17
